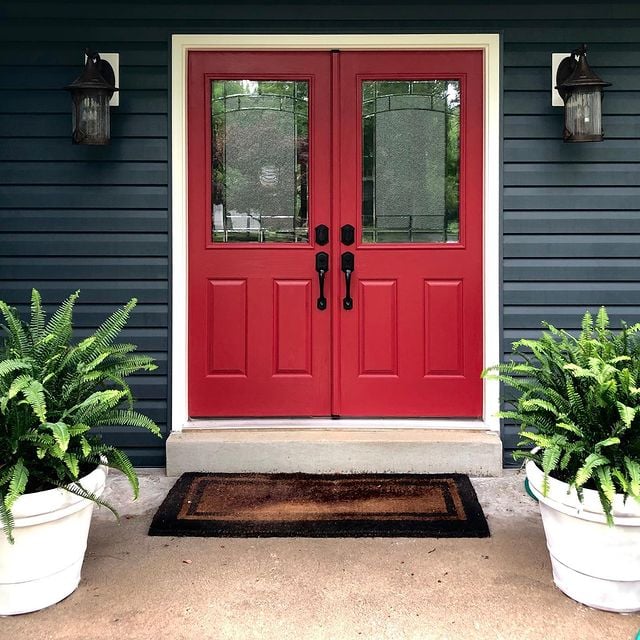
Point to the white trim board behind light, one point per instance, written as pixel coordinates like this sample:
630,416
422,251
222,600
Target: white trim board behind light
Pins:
488,43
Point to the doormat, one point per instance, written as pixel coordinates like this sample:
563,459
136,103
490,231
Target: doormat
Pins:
248,505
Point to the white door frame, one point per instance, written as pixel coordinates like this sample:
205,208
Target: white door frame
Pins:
489,43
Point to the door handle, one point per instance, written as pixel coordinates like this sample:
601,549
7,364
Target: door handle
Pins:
348,268
322,266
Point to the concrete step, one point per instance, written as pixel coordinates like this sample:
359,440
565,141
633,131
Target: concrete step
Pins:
336,450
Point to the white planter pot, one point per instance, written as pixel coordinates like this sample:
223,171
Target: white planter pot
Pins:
592,562
51,529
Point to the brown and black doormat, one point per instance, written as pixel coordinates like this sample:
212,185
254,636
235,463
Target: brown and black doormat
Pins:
250,505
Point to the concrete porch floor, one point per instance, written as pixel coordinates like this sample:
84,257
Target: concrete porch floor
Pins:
139,588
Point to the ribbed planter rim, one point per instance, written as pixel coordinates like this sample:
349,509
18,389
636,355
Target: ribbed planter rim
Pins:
29,508
565,498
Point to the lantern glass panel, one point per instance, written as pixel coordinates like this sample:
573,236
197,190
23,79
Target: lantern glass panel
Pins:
583,112
91,118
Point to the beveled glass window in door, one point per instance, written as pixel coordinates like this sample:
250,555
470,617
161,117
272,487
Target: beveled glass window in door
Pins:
410,160
260,160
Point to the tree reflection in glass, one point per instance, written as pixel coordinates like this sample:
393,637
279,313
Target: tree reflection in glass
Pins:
410,160
260,160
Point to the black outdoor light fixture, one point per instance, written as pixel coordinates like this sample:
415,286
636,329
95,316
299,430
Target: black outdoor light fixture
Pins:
581,89
91,92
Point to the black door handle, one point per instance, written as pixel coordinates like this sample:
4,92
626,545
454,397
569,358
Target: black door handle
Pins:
322,266
348,268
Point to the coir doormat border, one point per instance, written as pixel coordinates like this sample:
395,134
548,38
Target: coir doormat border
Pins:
167,523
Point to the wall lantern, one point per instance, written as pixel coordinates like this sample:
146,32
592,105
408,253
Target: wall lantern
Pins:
91,92
581,91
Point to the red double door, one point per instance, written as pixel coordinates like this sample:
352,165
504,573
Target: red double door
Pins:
335,233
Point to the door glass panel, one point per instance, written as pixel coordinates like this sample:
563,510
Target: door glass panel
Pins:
410,160
260,160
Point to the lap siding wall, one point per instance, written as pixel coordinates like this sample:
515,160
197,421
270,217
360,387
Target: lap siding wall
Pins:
97,219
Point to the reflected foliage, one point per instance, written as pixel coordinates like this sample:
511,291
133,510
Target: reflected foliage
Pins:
260,157
410,160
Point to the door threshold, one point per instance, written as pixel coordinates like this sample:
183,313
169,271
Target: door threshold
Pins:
333,423
297,450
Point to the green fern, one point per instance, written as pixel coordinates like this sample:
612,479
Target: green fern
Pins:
577,401
38,318
54,392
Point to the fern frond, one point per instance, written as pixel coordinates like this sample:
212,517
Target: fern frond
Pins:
42,440
551,459
12,365
71,462
537,438
627,414
585,472
568,425
587,326
633,469
37,317
78,429
60,433
19,341
59,329
129,418
77,489
621,479
93,407
121,348
33,393
602,319
607,442
6,520
605,482
17,483
109,330
537,403
119,460
524,455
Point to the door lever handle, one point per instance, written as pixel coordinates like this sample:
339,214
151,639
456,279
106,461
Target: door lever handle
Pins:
348,268
322,266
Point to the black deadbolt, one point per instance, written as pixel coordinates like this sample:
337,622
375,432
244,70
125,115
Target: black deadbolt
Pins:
322,234
347,234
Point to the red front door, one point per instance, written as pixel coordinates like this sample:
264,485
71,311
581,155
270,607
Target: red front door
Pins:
411,186
258,174
335,233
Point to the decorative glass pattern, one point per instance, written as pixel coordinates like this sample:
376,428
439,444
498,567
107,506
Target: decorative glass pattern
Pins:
410,160
260,160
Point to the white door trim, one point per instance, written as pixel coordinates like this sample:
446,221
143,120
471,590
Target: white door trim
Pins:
489,43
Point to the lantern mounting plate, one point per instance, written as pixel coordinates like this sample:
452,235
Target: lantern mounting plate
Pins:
556,59
565,69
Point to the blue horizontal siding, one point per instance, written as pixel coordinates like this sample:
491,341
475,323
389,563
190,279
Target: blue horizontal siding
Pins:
589,270
73,267
60,150
86,173
98,218
89,220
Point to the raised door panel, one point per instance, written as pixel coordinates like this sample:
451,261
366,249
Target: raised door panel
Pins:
378,331
292,337
227,328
